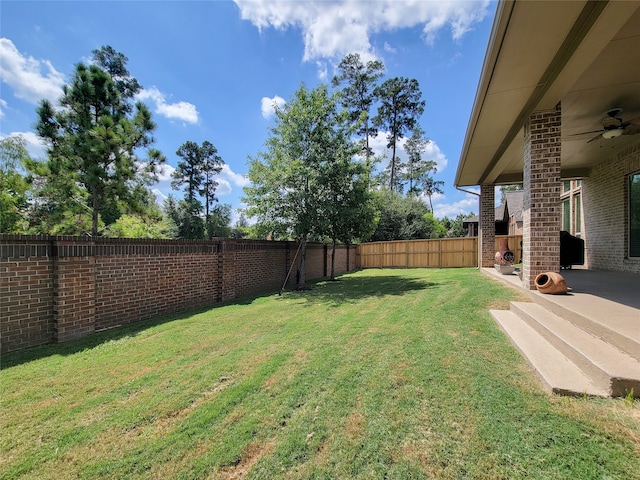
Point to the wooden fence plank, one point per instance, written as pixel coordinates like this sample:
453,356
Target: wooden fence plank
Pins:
436,253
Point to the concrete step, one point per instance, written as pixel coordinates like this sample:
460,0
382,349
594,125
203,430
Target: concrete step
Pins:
615,323
609,367
557,372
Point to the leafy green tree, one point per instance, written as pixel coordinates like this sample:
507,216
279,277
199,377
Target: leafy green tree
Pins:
417,169
115,64
211,166
401,218
398,112
59,203
219,221
196,172
431,186
434,226
14,187
285,191
347,210
357,96
188,173
135,226
383,178
186,224
241,227
455,227
94,139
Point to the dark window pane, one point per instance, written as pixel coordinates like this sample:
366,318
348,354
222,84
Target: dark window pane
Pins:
634,215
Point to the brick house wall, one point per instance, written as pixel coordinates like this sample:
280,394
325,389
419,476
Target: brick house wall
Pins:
606,217
54,289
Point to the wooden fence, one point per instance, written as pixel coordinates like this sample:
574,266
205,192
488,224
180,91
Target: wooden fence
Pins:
437,253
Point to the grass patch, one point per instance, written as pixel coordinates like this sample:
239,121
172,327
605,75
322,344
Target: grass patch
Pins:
385,374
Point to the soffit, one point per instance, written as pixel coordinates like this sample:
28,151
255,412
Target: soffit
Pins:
587,52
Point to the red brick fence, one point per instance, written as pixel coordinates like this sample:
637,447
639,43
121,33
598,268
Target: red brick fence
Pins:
59,288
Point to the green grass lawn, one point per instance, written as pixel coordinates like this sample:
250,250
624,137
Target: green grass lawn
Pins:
398,374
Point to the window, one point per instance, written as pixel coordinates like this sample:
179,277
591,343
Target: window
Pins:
566,186
577,226
566,215
634,215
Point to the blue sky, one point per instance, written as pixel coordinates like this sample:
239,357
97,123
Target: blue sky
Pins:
212,69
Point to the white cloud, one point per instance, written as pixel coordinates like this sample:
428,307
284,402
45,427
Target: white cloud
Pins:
36,147
388,48
224,187
268,105
160,197
334,28
165,173
432,152
229,175
323,71
184,111
469,204
30,79
3,105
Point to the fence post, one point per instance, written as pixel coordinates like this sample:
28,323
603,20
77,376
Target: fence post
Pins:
74,288
406,254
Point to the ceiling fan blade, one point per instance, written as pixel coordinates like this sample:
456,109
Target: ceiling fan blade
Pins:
585,133
596,137
610,122
631,128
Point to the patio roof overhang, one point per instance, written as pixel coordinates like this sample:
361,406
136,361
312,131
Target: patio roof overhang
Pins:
584,54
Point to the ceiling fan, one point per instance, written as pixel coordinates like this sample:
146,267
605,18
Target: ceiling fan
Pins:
613,126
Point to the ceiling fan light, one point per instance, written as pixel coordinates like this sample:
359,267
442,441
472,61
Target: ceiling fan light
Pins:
613,133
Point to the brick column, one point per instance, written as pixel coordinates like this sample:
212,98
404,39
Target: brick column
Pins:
227,270
487,226
74,290
541,210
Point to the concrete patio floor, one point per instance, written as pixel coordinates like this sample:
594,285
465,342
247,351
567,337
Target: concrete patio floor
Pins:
607,296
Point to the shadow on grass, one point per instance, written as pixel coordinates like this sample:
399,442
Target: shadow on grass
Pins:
350,288
346,289
71,347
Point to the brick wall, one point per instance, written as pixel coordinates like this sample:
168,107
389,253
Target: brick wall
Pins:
26,295
54,289
605,206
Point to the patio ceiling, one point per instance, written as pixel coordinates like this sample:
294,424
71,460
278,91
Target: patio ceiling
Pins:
585,54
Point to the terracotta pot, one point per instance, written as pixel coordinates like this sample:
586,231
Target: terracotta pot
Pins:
551,282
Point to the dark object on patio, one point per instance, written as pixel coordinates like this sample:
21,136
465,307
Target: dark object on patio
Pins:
571,250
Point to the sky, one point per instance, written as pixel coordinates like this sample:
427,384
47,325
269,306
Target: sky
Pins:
212,70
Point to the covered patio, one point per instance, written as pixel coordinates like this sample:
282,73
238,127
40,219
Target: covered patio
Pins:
557,111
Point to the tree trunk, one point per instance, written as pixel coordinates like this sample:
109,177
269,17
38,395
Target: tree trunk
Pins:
302,278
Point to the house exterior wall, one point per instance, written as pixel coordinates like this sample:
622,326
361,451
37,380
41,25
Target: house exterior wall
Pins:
606,216
515,227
